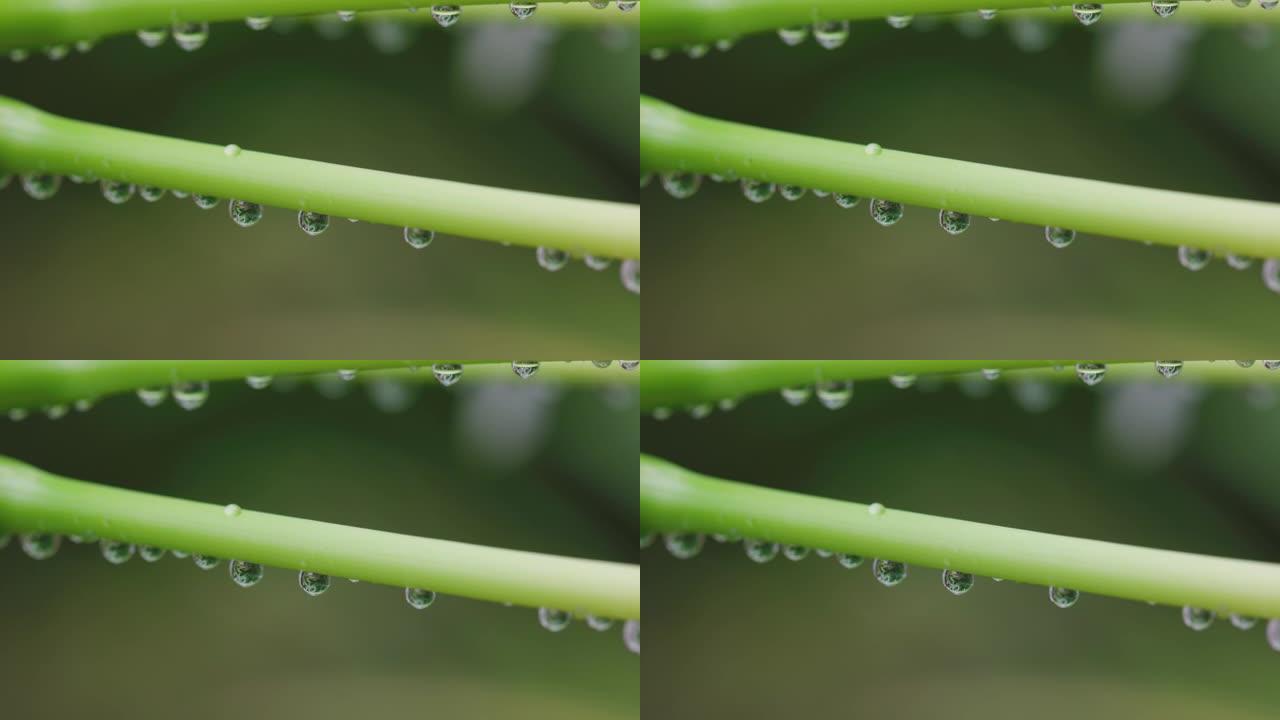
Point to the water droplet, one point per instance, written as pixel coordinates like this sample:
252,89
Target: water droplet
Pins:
1239,262
205,202
848,560
552,259
846,201
791,192
244,213
524,368
831,34
987,14
628,6
153,37
594,622
258,22
116,552
957,583
150,193
205,562
245,573
180,194
658,53
681,185
683,545
150,553
190,394
1194,258
1273,634
180,554
1271,364
629,271
41,186
792,36
760,551
835,394
1240,3
991,373
696,51
40,546
1243,622
1169,368
596,263
902,382
889,572
1246,363
1091,373
117,193
1268,4
313,583
522,9
346,15
258,382
446,15
418,238
875,509
628,364
55,412
190,35
795,552
17,414
56,52
953,222
232,150
1087,13
153,396
232,510
796,395
447,373
898,22
700,411
598,4
312,223
554,620
872,149
1164,8
885,212
418,598
1063,597
602,364
757,191
1196,618
348,374
1271,274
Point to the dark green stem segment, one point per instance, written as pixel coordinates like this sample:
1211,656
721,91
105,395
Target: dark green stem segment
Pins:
672,139
32,500
35,141
673,499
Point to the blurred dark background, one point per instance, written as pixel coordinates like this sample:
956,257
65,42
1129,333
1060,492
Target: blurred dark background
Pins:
528,466
1158,104
1165,464
533,106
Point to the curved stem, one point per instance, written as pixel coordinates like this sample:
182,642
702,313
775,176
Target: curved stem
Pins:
35,141
675,499
672,139
35,501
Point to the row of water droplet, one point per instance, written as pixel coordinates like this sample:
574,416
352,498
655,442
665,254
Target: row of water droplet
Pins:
43,186
687,545
42,546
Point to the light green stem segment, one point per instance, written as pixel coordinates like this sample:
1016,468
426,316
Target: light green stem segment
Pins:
675,499
31,384
35,501
36,23
677,23
36,141
672,139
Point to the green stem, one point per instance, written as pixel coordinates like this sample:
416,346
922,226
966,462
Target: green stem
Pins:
40,383
672,139
678,23
35,501
675,499
35,141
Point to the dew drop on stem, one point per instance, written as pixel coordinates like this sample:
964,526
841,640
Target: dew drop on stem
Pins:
956,582
1087,13
889,572
204,562
1194,259
760,551
312,223
629,272
796,395
987,14
523,9
153,37
190,394
1091,373
57,52
1197,618
598,4
447,373
446,15
902,382
552,259
628,364
595,262
757,191
525,368
1169,368
599,624
845,200
700,411
346,15
791,192
150,553
244,213
991,373
1238,262
875,509
554,620
258,22
245,573
681,185
117,193
792,36
258,382
418,238
628,6
953,222
1164,8
205,202
899,22
1063,597
41,186
1243,622
1059,237
150,193
116,552
602,364
834,394
190,35
313,583
40,546
418,598
849,561
795,552
831,34
1246,364
232,510
683,545
153,396
885,212
631,630
1271,274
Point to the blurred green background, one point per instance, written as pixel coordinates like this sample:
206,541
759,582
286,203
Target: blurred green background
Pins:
530,106
525,466
1164,464
1156,104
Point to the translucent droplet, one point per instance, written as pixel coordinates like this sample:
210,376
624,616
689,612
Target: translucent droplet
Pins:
55,412
189,394
347,374
846,201
232,510
117,193
848,560
602,364
760,551
628,364
1194,258
1243,622
628,6
681,185
796,395
792,36
153,37
552,259
313,583
1169,368
150,193
1197,618
987,14
258,382
418,598
596,263
1268,4
190,35
889,572
418,238
594,622
902,382
953,222
116,552
757,191
875,509
204,562
447,373
346,15
1087,13
258,22
153,396
991,373
205,202
312,223
629,271
795,552
1238,262
41,186
598,4
57,52
40,546
1246,363
683,545
835,394
1091,373
696,51
244,213
957,583
898,22
17,414
180,554
872,149
1271,274
885,212
525,368
232,150
1240,3
244,573
1059,237
658,53
150,553
180,194
831,34
700,411
1273,634
1271,364
1063,597
554,620
446,15
522,9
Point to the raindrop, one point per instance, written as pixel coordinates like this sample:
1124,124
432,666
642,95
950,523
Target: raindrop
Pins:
524,368
846,201
629,271
885,212
796,395
902,382
204,562
180,554
1197,618
1240,3
446,15
1243,622
848,560
55,412
957,583
1238,262
1169,368
40,546
205,202
190,394
232,150
628,6
991,373
700,411
153,396
1271,364
150,553
599,4
1246,363
1164,8
552,259
190,35
791,192
792,36
1271,274
596,263
41,186
681,185
312,223
1059,237
831,34
872,149
1063,597
244,213
153,37
889,572
683,545
987,14
628,364
522,9
313,583
1087,13
594,622
1273,634
757,191
418,238
1193,258
898,22
835,394
346,15
795,552
602,364
150,193
347,374
725,44
875,509
447,373
258,382
258,22
953,222
180,194
17,414
232,510
696,51
760,551
553,620
117,193
56,52
727,404
115,552
418,598
1090,373
244,573
1268,4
